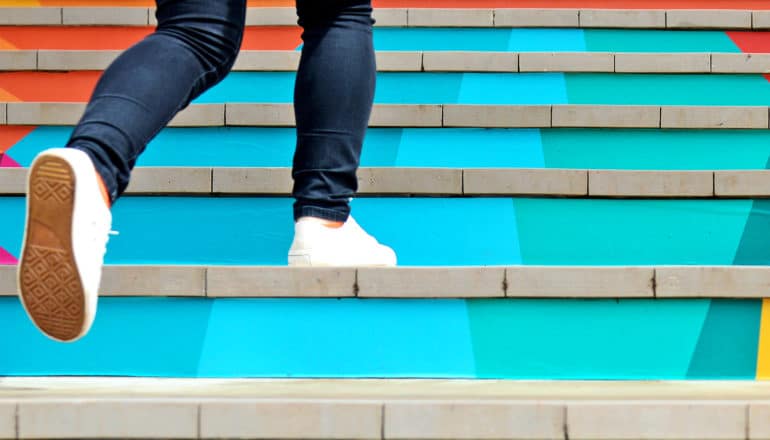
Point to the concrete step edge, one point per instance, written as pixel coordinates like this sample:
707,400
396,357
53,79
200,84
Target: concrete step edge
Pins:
434,61
426,17
433,115
448,182
430,282
382,409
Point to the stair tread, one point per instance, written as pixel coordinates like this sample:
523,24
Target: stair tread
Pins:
393,181
613,115
672,14
434,390
652,281
438,61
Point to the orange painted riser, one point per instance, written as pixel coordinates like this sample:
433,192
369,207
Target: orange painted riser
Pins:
751,42
48,87
11,134
106,38
608,4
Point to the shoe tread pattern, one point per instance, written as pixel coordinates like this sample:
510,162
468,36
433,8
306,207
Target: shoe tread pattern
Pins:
50,284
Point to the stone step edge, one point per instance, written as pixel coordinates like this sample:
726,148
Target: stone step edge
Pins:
434,61
424,389
433,115
429,282
447,182
387,409
427,17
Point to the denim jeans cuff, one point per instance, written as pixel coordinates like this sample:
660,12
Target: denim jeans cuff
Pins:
333,215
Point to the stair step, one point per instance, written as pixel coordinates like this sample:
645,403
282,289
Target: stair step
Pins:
524,40
445,182
571,148
737,16
487,338
474,231
461,4
381,409
435,115
429,282
443,88
443,61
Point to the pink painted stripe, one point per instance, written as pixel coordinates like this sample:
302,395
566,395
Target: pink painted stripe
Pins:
6,259
7,162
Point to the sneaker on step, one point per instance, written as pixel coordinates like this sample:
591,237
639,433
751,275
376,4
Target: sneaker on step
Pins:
318,245
65,239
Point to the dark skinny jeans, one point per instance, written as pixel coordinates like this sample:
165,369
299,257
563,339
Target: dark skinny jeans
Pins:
194,48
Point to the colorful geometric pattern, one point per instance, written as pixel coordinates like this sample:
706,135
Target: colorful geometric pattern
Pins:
6,258
477,39
448,88
117,37
473,231
495,338
631,149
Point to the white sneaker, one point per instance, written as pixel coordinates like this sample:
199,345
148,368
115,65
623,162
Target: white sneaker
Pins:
318,245
68,225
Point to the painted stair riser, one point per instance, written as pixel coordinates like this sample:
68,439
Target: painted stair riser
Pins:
437,148
473,231
522,339
446,88
424,39
427,39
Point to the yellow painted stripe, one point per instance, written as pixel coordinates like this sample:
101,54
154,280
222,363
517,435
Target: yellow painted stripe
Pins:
17,3
6,96
763,355
6,45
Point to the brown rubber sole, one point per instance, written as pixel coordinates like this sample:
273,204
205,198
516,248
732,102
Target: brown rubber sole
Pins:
49,280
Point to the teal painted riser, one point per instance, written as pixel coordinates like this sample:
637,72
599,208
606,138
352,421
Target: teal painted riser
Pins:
448,147
440,231
519,339
517,88
553,40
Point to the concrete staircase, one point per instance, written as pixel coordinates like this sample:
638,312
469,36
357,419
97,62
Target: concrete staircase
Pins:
576,196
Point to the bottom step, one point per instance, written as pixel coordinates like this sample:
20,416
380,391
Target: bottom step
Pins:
381,409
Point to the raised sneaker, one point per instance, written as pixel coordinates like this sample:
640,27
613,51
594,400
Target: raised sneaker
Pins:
65,239
317,243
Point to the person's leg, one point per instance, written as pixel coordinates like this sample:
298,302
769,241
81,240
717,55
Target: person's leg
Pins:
332,103
193,48
68,220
